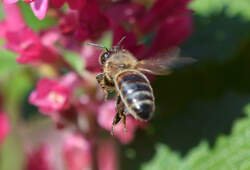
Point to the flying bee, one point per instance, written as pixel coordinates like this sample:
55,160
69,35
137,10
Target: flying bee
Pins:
124,74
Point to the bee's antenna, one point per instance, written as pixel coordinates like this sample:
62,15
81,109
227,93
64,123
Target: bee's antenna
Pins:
117,46
98,45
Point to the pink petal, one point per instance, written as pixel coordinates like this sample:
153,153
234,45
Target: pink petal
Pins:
50,96
9,1
3,29
92,23
91,55
57,3
39,8
77,153
4,126
107,156
160,10
40,158
13,17
125,12
76,4
172,32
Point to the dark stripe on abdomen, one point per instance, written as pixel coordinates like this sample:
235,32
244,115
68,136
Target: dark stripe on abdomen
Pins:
129,77
137,93
139,96
129,88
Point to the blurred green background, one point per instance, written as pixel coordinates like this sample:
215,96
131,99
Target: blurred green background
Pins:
202,119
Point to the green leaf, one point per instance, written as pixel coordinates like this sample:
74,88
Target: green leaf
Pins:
229,153
14,90
11,154
164,159
232,7
106,40
1,11
207,7
7,63
32,21
75,61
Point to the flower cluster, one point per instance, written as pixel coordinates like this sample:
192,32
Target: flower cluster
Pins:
72,98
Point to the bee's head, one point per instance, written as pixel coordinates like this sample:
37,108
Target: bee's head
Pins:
103,58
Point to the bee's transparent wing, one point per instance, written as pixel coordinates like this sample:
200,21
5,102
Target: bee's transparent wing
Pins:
165,63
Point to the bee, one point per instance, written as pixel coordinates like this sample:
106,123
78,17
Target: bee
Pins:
124,74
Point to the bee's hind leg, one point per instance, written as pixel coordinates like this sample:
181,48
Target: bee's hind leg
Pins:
120,107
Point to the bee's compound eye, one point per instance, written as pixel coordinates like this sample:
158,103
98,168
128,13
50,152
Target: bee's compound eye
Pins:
104,57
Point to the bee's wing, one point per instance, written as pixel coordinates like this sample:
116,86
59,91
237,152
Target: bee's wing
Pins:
165,63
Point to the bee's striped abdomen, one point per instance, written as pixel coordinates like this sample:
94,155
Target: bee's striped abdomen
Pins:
136,93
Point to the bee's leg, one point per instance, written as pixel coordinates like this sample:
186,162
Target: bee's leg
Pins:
105,84
123,117
116,120
120,107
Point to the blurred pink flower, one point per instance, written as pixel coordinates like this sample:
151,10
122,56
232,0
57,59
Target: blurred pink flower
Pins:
29,46
10,1
70,80
105,118
77,153
13,18
23,40
68,23
4,126
170,33
92,23
40,158
91,57
73,4
39,7
126,12
107,156
51,96
161,10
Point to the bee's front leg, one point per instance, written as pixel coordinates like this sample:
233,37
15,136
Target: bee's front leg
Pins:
120,107
105,84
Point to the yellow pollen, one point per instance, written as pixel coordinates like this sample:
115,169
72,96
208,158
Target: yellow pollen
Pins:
57,98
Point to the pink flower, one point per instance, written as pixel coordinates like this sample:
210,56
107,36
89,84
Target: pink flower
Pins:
91,57
125,12
10,1
105,118
92,23
23,40
77,153
107,156
68,23
29,46
73,4
40,159
39,7
4,126
161,10
171,33
51,96
13,18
